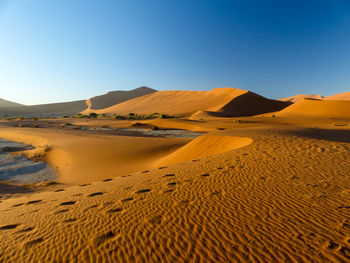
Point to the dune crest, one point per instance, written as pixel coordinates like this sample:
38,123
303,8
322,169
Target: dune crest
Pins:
340,96
204,146
6,103
299,97
318,108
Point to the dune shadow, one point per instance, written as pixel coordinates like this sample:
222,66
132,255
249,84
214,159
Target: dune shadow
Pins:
324,134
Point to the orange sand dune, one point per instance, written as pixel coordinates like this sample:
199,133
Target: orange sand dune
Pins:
220,101
115,97
204,146
79,157
340,96
318,108
298,97
282,198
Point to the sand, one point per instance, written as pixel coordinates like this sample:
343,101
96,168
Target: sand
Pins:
219,102
6,103
340,96
281,195
267,188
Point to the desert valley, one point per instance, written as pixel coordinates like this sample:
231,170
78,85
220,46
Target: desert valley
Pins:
224,175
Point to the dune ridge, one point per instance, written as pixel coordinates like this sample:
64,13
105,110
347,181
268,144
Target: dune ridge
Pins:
340,96
219,101
299,97
6,103
318,108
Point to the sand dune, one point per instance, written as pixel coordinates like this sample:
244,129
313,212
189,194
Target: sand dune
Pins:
204,146
340,96
72,107
298,97
6,103
318,108
54,109
282,198
115,97
219,101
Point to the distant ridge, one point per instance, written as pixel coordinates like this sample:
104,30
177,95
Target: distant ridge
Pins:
298,97
340,96
73,107
6,103
115,97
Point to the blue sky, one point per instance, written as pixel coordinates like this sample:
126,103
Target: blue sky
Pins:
61,50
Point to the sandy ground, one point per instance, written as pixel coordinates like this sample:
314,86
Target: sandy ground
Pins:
274,190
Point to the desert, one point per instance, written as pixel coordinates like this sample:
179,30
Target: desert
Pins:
267,187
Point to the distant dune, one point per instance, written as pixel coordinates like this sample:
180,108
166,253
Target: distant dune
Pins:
73,107
318,108
218,101
298,97
340,96
6,103
54,109
115,97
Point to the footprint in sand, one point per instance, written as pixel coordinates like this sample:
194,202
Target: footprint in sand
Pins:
68,203
145,172
115,210
61,211
7,227
169,175
143,191
127,199
95,194
59,190
162,167
205,175
168,191
107,180
172,184
156,220
34,242
24,230
16,205
70,220
34,202
99,240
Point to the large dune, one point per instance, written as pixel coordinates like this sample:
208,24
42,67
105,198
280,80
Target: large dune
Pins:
219,101
6,103
298,97
340,96
53,109
73,107
115,97
318,108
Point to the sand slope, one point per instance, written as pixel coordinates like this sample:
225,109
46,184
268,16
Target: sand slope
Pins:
54,109
219,101
340,96
6,103
318,108
298,97
115,97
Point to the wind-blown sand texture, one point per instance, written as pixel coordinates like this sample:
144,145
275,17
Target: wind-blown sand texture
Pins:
283,196
219,102
298,97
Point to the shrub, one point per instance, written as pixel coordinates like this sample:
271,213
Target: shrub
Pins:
93,115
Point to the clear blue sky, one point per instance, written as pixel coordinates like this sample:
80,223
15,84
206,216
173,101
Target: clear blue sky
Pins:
61,50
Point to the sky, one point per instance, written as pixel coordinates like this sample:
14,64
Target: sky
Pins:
62,50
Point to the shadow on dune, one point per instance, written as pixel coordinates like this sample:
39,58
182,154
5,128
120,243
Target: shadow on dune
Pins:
13,189
324,134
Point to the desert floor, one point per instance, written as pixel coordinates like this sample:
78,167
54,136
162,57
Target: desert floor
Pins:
258,189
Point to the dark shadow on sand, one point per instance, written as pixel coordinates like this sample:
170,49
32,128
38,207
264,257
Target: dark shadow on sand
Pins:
324,134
